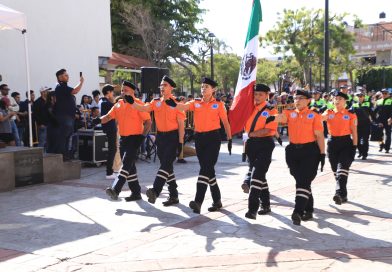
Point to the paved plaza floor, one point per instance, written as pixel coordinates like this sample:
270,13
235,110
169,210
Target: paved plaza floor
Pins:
72,226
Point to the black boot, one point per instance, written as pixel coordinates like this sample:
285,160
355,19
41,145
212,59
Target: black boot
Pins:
196,207
307,216
216,206
170,201
250,215
264,210
152,196
296,218
111,193
133,197
338,199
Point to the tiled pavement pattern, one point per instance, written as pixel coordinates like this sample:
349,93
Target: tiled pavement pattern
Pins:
72,226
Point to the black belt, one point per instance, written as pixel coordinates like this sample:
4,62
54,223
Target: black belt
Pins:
344,137
207,132
297,146
168,132
260,139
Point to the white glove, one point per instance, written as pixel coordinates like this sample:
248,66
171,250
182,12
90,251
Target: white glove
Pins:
245,137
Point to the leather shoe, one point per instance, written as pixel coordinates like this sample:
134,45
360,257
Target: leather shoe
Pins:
344,199
216,206
133,197
296,218
265,210
111,193
152,196
196,207
250,215
307,216
170,201
338,199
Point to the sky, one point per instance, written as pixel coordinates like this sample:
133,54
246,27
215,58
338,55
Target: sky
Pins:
228,19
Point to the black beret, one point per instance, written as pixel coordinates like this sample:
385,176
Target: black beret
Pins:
337,93
209,81
169,80
307,94
261,88
129,84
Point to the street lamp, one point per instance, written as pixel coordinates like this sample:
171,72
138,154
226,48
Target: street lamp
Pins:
211,36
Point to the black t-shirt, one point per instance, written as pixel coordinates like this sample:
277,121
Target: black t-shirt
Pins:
106,106
65,101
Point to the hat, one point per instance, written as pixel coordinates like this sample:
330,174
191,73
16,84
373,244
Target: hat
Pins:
359,94
316,92
261,88
344,86
129,84
384,91
169,80
209,81
337,93
44,88
304,93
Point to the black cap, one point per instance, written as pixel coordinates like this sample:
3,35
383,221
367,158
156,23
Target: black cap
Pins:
307,94
169,80
359,94
209,81
261,88
337,93
129,84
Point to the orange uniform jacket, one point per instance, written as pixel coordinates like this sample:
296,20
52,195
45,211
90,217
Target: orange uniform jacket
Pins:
339,122
260,124
207,116
166,116
129,120
302,125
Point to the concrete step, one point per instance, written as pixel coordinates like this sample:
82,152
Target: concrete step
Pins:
55,170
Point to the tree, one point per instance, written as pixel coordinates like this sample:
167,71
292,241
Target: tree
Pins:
301,33
170,29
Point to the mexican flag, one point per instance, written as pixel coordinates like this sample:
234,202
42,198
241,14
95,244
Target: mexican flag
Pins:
242,106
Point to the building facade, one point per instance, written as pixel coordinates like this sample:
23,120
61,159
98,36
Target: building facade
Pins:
70,34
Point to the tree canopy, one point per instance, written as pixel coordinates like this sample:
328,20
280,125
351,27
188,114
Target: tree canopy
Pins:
300,33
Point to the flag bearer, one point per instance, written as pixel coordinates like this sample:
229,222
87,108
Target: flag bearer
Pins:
259,147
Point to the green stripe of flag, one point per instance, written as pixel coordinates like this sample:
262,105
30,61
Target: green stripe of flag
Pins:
255,19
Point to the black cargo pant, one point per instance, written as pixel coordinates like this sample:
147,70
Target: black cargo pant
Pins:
340,157
207,150
303,161
387,129
129,146
259,151
167,143
363,139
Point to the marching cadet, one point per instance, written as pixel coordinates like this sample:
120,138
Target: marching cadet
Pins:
208,112
362,109
167,120
133,127
342,144
259,141
304,153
